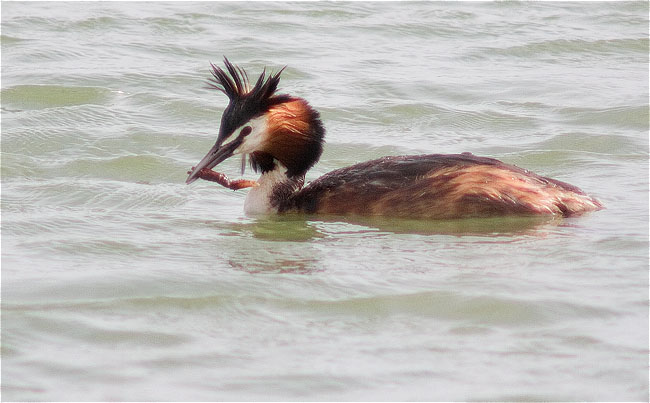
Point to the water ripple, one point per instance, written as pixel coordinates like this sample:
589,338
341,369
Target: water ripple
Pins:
570,47
52,96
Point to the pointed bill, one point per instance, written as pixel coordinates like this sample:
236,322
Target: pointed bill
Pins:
215,156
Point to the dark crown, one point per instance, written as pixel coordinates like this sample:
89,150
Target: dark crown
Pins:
245,102
236,86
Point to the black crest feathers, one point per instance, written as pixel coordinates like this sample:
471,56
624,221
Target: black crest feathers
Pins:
234,83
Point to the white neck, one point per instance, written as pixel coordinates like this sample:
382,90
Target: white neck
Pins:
272,187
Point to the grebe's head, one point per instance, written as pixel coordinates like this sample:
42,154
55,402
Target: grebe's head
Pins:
271,129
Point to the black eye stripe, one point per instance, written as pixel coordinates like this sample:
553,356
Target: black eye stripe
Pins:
246,131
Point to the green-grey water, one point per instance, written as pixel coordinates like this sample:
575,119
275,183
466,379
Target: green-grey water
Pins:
120,282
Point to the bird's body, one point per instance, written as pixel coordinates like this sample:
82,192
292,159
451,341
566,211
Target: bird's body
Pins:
438,186
283,136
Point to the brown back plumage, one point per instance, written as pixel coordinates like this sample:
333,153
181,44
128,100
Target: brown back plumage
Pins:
439,186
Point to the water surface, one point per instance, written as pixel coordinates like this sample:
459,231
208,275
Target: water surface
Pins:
119,282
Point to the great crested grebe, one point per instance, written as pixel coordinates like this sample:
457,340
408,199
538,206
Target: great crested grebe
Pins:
283,137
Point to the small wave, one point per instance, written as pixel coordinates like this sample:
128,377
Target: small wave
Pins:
52,96
633,117
10,40
568,47
131,168
444,305
451,306
580,143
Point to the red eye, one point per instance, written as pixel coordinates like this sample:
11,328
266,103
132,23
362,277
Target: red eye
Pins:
246,131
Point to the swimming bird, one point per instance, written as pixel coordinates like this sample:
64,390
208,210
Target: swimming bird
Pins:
283,136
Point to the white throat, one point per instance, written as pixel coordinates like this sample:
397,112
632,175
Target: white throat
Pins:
263,198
